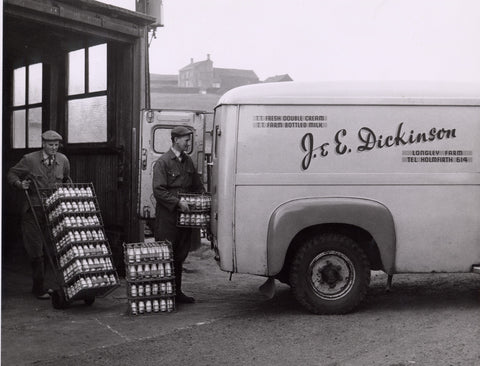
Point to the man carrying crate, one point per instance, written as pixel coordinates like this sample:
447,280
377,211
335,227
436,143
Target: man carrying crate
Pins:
174,173
47,167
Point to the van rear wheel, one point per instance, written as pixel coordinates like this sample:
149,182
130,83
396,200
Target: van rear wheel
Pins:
330,274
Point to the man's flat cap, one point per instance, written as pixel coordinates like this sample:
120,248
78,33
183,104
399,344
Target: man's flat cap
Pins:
180,131
51,135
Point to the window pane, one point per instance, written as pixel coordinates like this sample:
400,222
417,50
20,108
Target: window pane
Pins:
87,120
162,140
76,72
97,68
35,127
18,129
19,86
35,83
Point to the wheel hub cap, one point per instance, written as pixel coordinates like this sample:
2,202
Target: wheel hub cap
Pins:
331,274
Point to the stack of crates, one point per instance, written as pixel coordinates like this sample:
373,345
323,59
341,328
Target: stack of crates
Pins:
150,277
82,251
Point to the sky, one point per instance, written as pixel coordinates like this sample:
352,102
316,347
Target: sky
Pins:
314,40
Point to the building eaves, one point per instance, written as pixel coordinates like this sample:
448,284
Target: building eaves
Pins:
219,72
112,10
193,65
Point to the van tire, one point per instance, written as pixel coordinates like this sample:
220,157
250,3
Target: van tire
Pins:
342,274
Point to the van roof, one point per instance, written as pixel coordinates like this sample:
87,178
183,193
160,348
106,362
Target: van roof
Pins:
343,92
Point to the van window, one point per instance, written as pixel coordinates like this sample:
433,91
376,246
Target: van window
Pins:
162,140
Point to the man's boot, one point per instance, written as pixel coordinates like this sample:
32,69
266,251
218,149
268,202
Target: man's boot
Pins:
180,297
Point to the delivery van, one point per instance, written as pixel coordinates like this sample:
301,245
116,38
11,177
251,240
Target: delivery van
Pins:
317,184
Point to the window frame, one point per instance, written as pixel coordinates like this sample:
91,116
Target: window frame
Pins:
26,106
109,143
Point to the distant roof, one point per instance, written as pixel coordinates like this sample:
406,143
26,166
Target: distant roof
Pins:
276,78
163,77
220,72
388,92
193,64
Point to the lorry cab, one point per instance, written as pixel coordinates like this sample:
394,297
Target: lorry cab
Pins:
317,184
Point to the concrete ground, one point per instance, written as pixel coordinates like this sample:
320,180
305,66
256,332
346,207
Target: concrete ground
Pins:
33,332
429,319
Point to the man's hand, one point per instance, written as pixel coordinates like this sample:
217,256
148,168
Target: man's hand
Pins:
183,206
23,184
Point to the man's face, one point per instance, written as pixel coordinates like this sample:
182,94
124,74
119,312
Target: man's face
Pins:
182,143
50,147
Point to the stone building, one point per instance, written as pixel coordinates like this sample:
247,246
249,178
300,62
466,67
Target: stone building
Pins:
206,78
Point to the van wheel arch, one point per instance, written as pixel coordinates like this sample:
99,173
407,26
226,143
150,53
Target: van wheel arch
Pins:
369,222
361,237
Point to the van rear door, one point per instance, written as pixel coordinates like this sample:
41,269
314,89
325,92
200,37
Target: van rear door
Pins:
155,140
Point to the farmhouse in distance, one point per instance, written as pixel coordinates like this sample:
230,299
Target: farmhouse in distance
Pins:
199,85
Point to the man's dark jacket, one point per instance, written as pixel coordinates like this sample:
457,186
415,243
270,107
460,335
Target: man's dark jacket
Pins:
171,177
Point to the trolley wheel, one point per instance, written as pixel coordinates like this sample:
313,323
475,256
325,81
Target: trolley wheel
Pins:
58,300
89,300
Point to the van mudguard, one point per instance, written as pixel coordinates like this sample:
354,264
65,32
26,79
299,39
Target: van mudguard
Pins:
294,216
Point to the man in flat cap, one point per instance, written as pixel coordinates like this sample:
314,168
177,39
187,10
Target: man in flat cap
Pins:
174,173
47,167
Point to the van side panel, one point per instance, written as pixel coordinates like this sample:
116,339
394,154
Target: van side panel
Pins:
421,162
436,227
294,216
304,140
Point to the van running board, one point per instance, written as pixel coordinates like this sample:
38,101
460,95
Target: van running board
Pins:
476,269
